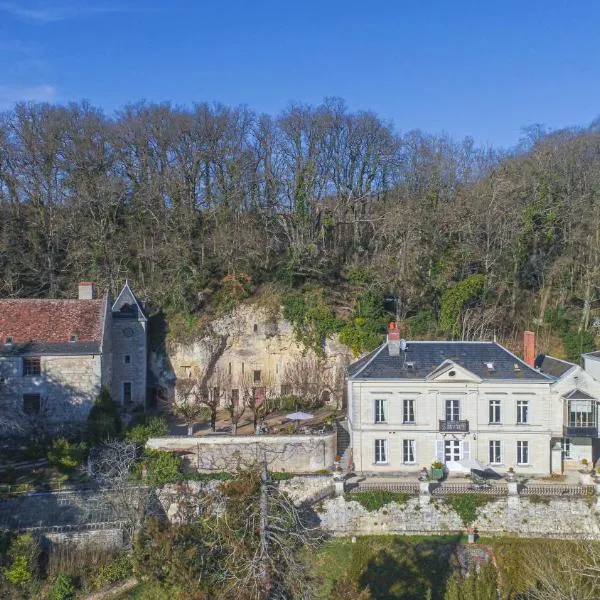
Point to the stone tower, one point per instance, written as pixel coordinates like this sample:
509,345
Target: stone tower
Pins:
129,341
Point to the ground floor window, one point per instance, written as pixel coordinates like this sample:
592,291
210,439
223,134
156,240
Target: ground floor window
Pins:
408,450
127,391
31,403
566,448
495,452
522,453
380,451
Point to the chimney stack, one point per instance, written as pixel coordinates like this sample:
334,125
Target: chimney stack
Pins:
86,290
393,339
529,348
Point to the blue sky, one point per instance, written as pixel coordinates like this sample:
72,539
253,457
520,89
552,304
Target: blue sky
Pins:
480,68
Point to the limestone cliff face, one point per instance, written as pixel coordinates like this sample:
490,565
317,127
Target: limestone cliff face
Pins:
259,347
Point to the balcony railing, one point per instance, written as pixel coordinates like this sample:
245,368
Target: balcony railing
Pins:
578,431
454,426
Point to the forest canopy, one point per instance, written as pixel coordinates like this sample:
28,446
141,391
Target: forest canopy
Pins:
201,207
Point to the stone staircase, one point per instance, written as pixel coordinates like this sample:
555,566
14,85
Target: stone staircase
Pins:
343,443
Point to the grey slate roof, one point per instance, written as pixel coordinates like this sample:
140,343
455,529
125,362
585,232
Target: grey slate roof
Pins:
427,356
52,348
578,394
554,367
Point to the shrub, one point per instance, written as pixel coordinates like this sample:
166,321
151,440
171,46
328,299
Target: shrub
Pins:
161,467
151,427
23,555
466,505
375,499
66,456
114,571
63,588
104,421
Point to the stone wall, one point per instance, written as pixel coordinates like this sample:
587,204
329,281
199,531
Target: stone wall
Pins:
289,453
522,517
68,387
109,538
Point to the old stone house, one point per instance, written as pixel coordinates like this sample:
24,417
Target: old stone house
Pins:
413,402
56,355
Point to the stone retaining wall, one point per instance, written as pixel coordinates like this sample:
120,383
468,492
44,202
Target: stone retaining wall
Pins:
515,516
289,453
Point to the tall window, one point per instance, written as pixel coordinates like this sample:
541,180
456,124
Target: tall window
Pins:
495,412
380,451
408,411
127,391
127,359
408,451
256,376
495,452
380,411
522,412
566,448
581,413
452,410
31,366
522,453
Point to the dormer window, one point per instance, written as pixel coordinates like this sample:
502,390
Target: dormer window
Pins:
73,337
516,367
410,365
9,341
490,366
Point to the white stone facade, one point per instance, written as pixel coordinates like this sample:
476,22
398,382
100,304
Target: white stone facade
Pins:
401,424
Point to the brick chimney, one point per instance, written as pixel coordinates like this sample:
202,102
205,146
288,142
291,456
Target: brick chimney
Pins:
529,348
86,290
393,339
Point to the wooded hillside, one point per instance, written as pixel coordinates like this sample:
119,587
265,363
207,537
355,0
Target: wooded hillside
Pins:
335,210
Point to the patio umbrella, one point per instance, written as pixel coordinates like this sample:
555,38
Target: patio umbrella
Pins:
299,416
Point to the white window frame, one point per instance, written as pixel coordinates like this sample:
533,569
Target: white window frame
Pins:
450,453
454,412
409,447
492,453
522,445
123,384
408,403
523,404
495,409
380,410
381,448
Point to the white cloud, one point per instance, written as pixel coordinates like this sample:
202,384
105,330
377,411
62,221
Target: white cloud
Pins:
9,94
48,12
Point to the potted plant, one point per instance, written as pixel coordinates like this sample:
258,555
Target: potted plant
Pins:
584,465
511,475
437,469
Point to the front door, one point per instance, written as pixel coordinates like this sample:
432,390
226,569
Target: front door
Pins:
452,450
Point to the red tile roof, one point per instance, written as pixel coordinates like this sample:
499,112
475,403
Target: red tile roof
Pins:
47,321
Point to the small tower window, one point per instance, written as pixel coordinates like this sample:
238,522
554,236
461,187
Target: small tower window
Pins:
257,376
127,359
255,328
73,337
9,340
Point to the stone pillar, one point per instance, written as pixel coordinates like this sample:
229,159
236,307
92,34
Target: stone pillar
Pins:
338,485
424,493
556,458
513,494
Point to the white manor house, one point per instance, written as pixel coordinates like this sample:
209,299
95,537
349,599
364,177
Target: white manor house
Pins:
413,402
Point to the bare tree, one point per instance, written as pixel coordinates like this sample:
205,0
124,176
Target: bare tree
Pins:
308,377
187,403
